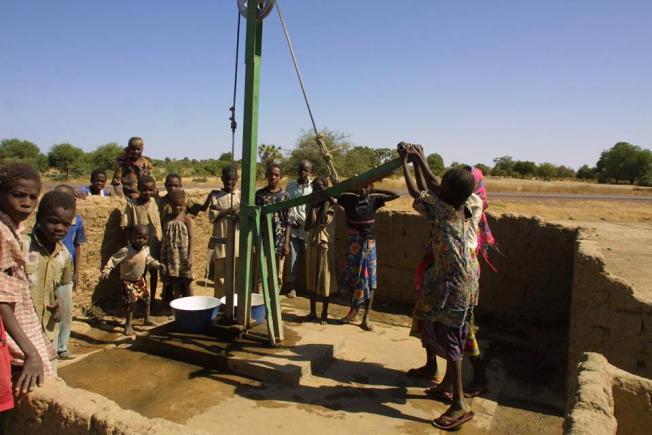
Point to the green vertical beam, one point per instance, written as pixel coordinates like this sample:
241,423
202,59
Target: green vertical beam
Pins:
248,216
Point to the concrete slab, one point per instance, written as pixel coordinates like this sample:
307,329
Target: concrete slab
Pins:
302,352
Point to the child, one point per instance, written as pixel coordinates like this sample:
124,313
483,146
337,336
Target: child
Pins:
449,283
96,188
223,207
173,183
74,240
176,250
130,167
297,216
134,259
360,270
319,263
48,262
30,351
144,211
271,194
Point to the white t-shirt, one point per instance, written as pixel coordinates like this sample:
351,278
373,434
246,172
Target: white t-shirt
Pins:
474,204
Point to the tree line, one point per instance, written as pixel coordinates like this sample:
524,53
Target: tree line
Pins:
623,162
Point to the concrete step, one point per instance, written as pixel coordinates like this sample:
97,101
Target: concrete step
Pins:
304,351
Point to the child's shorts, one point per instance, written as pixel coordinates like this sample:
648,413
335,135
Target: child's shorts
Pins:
135,291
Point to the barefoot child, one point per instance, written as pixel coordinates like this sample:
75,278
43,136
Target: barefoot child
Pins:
134,260
176,249
144,211
319,263
96,188
73,241
129,168
360,271
223,207
49,264
271,194
190,208
25,347
449,284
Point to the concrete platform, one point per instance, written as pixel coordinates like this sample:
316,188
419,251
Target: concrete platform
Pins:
303,352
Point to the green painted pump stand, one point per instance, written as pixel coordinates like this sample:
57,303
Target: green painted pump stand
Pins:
256,237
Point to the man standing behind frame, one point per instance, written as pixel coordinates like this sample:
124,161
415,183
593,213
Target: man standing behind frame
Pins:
297,218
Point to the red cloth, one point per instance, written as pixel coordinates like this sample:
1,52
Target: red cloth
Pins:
6,395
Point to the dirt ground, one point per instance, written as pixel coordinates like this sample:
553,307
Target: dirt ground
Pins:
365,388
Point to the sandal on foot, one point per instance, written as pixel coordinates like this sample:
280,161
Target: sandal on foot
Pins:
445,422
474,391
437,393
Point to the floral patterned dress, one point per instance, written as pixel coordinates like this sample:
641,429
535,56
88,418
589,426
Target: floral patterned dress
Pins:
280,219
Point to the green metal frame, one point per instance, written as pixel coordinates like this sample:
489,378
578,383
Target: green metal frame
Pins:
256,221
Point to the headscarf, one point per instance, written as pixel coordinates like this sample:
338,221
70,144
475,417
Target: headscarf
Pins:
485,237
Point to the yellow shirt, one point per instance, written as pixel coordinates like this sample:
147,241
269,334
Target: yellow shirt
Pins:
223,226
45,273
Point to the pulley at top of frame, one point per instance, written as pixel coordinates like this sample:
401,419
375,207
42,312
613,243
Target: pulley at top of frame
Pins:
264,7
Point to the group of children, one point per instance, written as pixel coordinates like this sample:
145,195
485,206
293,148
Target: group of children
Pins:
40,268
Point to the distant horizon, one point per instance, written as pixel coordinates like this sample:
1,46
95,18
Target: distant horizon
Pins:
557,82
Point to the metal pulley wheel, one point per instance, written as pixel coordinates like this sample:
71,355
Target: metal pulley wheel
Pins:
264,8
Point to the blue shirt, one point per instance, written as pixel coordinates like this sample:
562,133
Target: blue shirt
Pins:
75,236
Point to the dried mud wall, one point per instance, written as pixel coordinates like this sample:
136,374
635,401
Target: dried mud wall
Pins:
56,409
534,266
607,316
104,237
605,400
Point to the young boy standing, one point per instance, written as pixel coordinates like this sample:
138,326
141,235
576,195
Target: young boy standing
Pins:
96,187
223,207
144,211
297,218
29,350
48,263
130,167
449,284
73,241
271,194
134,260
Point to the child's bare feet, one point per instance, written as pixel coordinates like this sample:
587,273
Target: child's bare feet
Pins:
366,326
129,331
349,317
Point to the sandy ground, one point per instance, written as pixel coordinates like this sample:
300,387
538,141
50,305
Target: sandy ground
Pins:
364,389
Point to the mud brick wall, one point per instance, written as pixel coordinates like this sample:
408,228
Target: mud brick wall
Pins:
534,269
607,314
104,237
604,400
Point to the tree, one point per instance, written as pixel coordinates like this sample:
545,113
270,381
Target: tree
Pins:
586,173
624,161
226,156
307,149
546,171
525,168
268,154
104,156
436,164
564,172
358,160
382,156
23,151
68,159
503,166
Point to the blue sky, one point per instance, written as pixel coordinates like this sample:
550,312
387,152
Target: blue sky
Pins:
540,80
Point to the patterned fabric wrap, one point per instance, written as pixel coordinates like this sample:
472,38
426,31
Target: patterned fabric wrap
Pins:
360,270
485,237
174,250
446,285
135,291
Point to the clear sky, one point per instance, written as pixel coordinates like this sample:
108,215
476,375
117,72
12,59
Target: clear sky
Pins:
550,80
